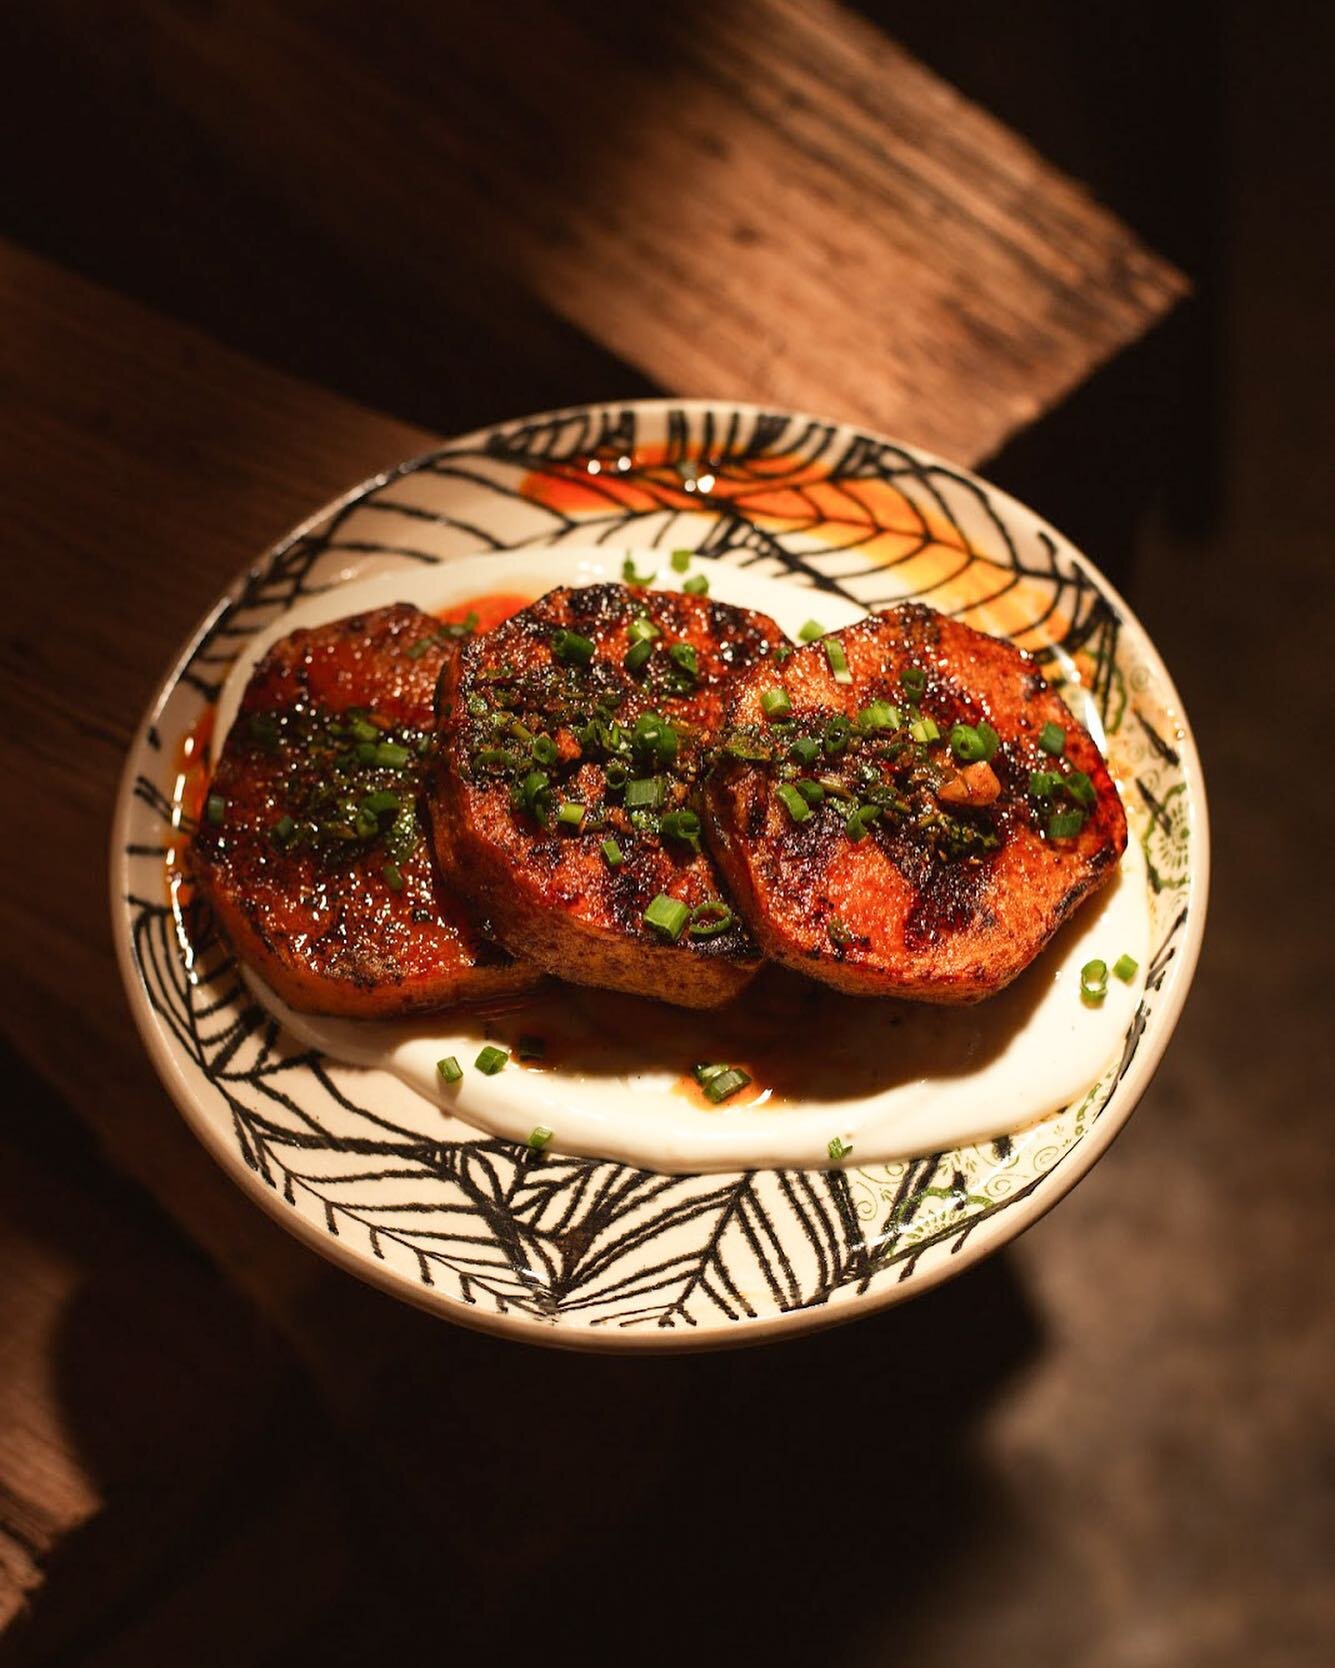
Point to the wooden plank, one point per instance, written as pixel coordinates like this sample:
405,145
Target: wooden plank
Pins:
766,200
134,491
135,1388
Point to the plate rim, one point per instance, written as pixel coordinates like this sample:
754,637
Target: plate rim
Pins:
989,1235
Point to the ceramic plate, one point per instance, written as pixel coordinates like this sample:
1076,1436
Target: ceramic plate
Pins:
585,1251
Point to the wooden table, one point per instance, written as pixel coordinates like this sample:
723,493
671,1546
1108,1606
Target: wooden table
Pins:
801,214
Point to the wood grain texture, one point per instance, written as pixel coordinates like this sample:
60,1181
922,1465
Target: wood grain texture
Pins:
134,491
765,199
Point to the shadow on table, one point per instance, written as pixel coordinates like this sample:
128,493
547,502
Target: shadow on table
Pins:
511,1497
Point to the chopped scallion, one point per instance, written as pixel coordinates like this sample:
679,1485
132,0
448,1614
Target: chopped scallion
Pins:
811,631
570,647
1052,739
1065,825
838,660
644,793
667,915
630,577
1125,968
681,560
684,657
805,750
812,792
989,738
571,814
1080,788
722,1082
680,825
543,750
539,1138
775,703
491,1060
391,754
642,630
710,919
966,744
838,1149
859,824
913,681
215,809
1094,980
793,802
879,715
613,856
925,730
450,1069
696,586
1042,782
392,876
531,1047
637,655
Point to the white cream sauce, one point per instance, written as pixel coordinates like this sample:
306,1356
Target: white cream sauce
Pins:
888,1078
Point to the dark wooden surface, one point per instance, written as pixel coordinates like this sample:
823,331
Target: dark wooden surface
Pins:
1112,1443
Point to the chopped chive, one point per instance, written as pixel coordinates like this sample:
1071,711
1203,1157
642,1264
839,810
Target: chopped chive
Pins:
710,919
704,1071
655,737
543,750
834,653
392,876
805,750
696,586
1042,782
450,1069
775,703
667,915
925,730
721,1085
879,715
1094,980
838,1149
740,747
1125,968
360,730
365,825
681,560
390,753
680,825
571,814
645,793
535,794
913,680
683,655
794,803
1080,788
630,577
637,655
539,1138
613,856
858,825
966,744
376,804
642,630
990,740
531,1048
1052,739
491,1060
215,809
812,792
365,752
570,647
1065,825
811,631
835,736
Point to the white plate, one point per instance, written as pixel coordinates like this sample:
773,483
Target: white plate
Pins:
591,1247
